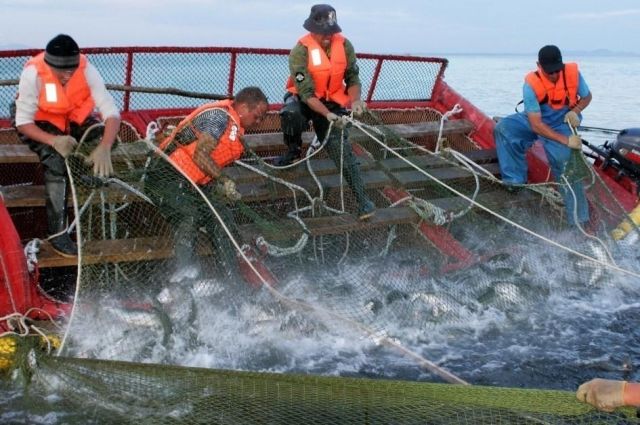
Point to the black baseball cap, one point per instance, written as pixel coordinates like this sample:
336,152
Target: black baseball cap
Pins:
550,59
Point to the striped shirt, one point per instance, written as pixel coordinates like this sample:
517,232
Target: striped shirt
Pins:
212,121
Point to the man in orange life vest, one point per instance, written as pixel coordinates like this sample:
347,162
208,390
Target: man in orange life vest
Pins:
202,144
554,97
324,80
57,94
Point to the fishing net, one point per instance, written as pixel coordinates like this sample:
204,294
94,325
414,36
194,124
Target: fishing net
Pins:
105,392
176,276
182,291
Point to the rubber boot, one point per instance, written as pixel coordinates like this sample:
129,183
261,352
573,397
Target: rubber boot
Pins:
366,208
55,189
293,151
292,123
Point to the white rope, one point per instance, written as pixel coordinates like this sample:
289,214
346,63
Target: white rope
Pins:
455,110
505,219
31,250
313,153
448,376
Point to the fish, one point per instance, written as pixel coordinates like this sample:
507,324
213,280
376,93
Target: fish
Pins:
134,317
502,293
596,271
434,307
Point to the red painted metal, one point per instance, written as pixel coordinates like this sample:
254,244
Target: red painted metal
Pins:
440,237
374,80
232,73
19,292
445,98
127,80
15,296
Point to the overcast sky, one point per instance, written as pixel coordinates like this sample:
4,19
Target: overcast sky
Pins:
374,26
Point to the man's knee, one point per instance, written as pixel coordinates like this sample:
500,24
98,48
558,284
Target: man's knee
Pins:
292,121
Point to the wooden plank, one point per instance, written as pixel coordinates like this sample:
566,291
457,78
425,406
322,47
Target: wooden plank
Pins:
430,161
320,167
494,200
412,178
255,188
266,142
115,251
33,195
274,141
21,154
158,248
317,226
265,190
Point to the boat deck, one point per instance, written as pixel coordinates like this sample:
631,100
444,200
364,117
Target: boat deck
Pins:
377,175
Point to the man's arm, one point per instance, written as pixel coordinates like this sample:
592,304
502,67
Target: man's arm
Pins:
532,109
27,106
105,105
202,155
585,95
352,73
542,129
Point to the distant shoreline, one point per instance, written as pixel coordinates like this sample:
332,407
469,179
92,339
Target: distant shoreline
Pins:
582,53
592,53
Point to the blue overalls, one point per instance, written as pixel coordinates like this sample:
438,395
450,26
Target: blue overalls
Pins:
514,136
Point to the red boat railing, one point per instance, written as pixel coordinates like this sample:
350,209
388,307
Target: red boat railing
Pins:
387,79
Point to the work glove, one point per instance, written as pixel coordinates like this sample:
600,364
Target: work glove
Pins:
603,394
228,188
575,142
358,107
338,121
64,145
572,119
101,160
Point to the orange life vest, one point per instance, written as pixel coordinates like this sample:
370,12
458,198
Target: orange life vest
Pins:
559,95
229,146
327,73
59,104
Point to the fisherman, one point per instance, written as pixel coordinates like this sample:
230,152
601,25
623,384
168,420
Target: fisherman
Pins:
607,394
554,96
323,81
57,94
202,144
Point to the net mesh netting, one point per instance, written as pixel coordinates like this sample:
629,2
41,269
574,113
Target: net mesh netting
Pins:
179,285
123,392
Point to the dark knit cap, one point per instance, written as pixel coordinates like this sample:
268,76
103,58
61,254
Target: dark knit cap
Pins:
62,52
322,20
